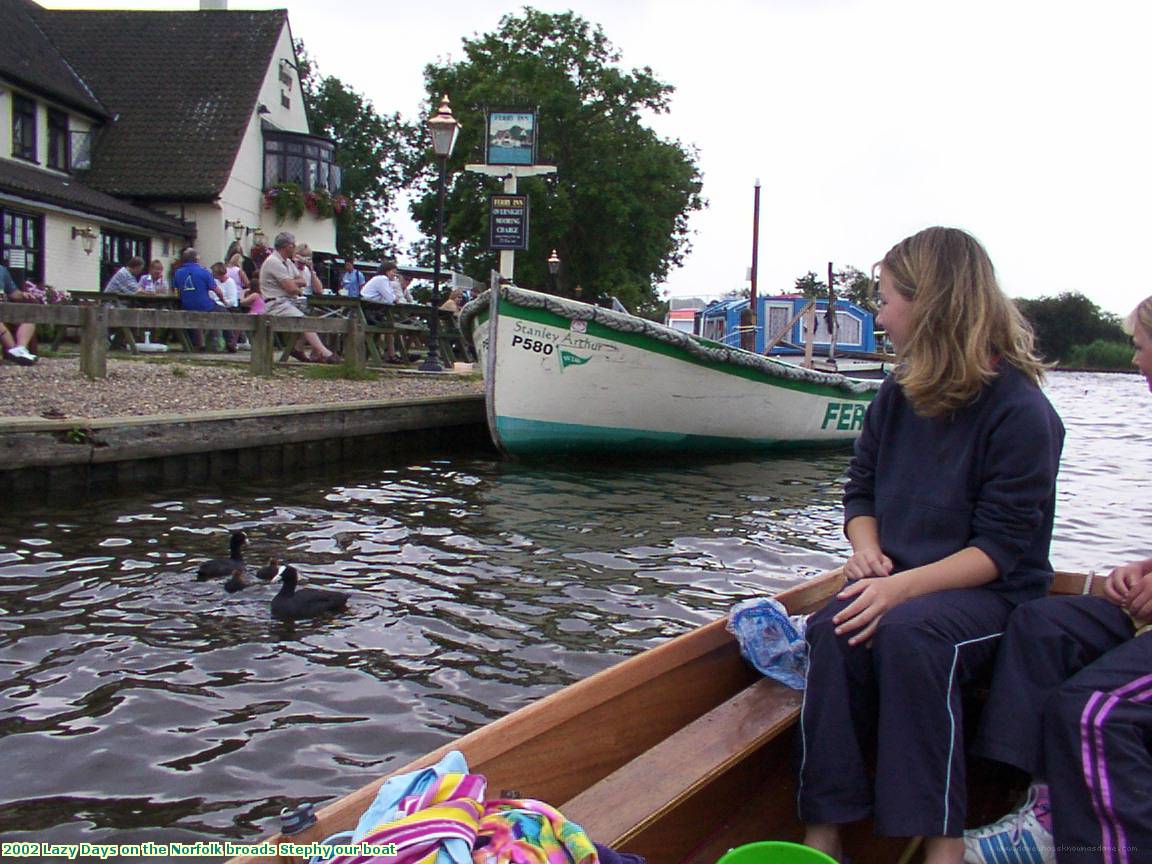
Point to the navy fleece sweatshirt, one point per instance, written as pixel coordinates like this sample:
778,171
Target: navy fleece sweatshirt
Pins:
984,477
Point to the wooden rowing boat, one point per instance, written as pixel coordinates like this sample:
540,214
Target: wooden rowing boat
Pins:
564,377
677,754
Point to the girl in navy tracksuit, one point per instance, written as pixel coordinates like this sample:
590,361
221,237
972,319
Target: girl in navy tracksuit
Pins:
1071,703
948,509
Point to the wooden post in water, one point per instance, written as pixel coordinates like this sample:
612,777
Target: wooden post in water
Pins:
809,333
830,316
94,342
755,255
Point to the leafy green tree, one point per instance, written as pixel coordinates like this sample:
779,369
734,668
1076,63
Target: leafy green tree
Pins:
811,286
374,151
617,210
1068,320
854,285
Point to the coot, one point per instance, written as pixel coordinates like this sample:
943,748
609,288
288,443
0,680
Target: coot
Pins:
219,568
291,605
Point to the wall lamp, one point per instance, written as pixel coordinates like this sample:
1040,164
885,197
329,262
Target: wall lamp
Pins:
238,228
87,238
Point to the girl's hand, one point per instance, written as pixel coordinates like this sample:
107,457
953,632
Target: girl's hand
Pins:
1140,598
874,597
867,563
1118,585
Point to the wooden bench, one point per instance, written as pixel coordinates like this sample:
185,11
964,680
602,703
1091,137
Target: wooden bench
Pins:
638,794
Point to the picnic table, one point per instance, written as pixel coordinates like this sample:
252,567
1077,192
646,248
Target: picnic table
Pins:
141,300
407,323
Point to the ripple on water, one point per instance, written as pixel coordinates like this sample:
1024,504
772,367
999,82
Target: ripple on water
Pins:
477,586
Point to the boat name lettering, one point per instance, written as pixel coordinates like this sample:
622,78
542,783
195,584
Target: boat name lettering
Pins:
584,343
538,332
845,416
533,345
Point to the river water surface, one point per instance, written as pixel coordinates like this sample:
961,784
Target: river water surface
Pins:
139,704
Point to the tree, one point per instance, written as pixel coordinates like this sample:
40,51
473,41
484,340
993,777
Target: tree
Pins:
1070,319
854,285
374,152
810,286
617,210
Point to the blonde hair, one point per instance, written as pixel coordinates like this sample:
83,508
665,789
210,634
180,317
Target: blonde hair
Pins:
1140,317
962,323
236,260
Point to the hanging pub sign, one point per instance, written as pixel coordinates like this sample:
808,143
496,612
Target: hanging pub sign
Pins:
511,138
507,222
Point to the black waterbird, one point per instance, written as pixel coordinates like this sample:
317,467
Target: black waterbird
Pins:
292,604
219,568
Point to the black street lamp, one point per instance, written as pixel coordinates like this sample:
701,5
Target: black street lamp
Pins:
444,129
554,270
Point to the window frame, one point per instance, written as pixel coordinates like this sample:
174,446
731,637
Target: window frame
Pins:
116,247
30,242
59,138
303,159
24,133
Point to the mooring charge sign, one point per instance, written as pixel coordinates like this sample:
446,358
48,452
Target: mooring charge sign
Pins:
508,222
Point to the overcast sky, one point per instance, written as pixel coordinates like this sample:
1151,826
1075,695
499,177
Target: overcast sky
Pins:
1022,121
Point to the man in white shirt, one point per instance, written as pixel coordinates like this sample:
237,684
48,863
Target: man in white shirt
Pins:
380,288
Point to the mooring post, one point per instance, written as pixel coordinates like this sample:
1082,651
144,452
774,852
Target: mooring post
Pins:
354,346
94,342
260,363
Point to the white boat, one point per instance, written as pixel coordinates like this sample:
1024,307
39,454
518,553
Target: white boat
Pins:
567,377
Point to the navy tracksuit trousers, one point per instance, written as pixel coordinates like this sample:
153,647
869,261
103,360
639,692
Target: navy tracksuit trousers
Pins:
900,696
1071,703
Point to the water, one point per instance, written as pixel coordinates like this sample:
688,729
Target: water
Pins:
138,704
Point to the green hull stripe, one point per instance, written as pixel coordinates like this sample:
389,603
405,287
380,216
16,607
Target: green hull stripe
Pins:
655,346
528,437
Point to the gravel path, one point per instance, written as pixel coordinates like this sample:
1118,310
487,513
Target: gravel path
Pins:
55,388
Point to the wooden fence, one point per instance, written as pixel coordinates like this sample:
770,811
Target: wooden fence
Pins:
96,322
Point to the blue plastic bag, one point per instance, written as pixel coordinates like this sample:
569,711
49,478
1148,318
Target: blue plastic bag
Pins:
770,640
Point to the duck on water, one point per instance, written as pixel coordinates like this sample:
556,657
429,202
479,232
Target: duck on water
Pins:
224,568
292,604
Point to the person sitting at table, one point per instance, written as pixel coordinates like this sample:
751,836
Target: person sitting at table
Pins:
253,301
303,260
352,280
381,288
125,280
236,272
197,288
235,257
16,346
454,303
153,282
283,287
402,282
227,298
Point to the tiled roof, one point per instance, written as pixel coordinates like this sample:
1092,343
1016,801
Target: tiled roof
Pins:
182,86
30,60
35,184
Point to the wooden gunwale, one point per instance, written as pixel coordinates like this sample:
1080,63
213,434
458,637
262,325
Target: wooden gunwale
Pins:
557,748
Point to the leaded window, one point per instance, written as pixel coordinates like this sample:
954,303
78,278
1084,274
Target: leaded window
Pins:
23,127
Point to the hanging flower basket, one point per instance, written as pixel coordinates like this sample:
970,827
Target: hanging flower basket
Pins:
286,199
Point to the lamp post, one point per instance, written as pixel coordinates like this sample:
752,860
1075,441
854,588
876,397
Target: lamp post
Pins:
554,270
444,129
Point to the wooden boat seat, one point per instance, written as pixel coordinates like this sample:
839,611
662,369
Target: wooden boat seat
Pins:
640,793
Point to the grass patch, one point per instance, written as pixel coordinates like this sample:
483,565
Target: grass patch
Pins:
340,372
179,372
